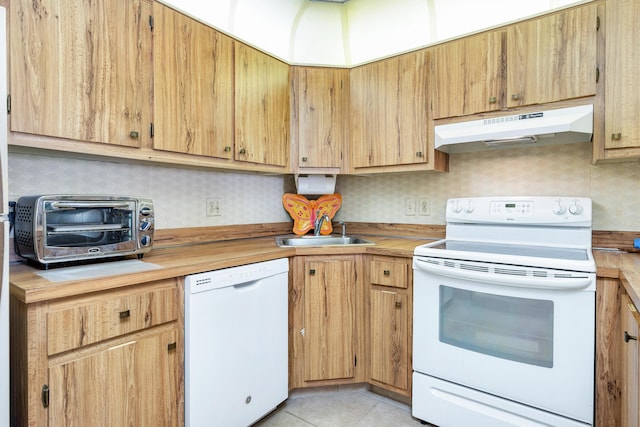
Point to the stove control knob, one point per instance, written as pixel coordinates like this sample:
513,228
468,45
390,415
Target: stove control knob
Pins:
559,208
457,208
575,208
469,207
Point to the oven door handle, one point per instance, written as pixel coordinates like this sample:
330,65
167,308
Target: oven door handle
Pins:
88,204
559,283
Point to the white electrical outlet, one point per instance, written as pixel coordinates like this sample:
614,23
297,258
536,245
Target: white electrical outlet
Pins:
409,206
423,207
214,207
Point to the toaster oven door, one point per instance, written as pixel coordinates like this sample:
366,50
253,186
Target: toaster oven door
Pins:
90,228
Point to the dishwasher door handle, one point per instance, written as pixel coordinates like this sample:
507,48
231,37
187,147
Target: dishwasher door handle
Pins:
247,286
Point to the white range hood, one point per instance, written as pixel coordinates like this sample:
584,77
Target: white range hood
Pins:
544,127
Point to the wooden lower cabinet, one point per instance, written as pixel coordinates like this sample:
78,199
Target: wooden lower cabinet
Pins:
326,321
390,321
133,383
617,356
103,359
630,378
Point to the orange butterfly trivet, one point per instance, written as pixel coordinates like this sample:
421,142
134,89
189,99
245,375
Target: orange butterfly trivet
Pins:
304,211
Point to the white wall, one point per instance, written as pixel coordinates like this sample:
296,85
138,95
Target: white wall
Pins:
180,194
546,171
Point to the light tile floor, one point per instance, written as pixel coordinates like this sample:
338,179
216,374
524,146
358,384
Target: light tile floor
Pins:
339,407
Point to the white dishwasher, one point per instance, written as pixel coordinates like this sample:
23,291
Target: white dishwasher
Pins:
236,346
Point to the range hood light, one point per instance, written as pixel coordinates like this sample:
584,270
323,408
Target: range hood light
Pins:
502,142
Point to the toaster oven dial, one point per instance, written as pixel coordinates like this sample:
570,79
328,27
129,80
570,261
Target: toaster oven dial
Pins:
145,225
145,240
146,211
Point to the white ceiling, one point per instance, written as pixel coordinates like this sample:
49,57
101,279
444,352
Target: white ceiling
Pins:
312,32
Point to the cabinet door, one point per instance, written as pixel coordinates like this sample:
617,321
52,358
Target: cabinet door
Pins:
329,319
468,75
389,338
552,58
193,86
389,107
261,108
320,112
134,383
622,109
630,368
81,70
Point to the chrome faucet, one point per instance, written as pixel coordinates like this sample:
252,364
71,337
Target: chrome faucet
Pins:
320,219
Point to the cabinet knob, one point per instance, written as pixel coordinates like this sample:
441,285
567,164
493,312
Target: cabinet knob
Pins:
419,154
515,96
125,314
312,272
134,134
398,304
387,272
242,151
171,346
616,136
227,148
628,337
304,159
493,100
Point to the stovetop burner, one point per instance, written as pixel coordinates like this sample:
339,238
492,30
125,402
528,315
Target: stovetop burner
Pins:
549,232
516,250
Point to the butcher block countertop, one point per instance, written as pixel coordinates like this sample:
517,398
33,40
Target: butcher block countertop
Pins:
196,250
621,265
28,286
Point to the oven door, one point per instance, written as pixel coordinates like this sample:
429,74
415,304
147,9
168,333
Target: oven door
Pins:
87,228
501,334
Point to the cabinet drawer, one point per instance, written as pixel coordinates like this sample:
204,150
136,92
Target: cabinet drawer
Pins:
92,320
388,273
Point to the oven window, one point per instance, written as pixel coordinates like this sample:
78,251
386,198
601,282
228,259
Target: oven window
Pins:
84,227
518,329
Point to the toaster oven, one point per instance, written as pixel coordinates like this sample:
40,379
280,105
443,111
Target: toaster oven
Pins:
63,228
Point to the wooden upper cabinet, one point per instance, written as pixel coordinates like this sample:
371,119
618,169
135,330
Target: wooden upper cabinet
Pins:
319,116
468,75
552,58
81,70
389,107
622,103
541,60
261,108
193,86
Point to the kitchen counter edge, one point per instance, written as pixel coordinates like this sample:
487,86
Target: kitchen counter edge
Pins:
29,287
621,265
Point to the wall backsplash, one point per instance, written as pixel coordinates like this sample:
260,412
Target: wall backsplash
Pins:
180,194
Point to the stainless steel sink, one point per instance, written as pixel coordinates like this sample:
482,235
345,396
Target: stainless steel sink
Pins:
321,241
